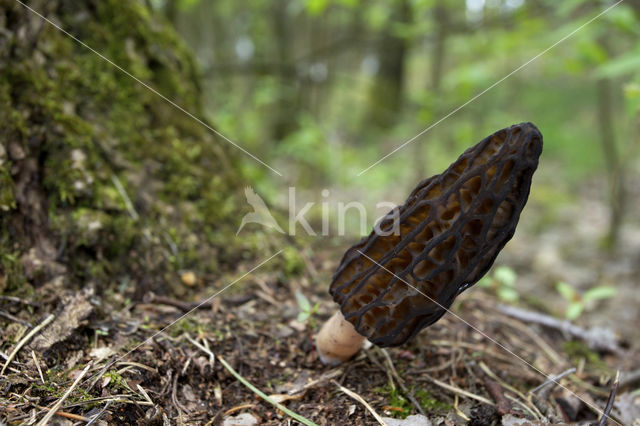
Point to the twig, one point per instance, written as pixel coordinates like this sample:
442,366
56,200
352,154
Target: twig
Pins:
496,392
163,300
532,408
525,407
10,317
462,392
174,398
612,397
64,414
136,364
326,376
434,369
473,347
361,400
144,394
188,306
398,379
495,377
392,368
369,354
57,405
212,357
26,338
552,380
456,407
546,348
186,367
541,393
237,408
18,300
629,378
264,396
100,413
35,360
596,338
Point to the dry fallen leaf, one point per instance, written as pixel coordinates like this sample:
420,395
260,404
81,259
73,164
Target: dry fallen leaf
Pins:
244,419
101,353
280,398
76,308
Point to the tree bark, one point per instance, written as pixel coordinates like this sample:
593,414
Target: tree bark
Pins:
613,164
72,126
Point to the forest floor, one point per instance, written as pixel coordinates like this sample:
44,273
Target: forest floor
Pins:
122,369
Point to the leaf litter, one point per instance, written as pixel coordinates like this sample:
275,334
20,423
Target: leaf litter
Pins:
450,372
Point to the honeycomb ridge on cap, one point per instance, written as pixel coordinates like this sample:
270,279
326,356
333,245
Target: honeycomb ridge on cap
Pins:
452,227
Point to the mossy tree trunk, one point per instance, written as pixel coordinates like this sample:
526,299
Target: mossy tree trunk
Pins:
101,180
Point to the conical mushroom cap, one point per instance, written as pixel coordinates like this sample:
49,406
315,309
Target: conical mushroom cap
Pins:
451,228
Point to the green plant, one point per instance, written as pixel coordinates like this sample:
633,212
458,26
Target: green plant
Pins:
578,303
306,310
502,282
397,400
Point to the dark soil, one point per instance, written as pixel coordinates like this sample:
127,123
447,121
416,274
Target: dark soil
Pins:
253,327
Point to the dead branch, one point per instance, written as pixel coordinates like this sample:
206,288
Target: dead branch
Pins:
597,338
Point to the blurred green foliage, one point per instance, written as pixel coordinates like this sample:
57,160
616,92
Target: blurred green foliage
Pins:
306,310
577,303
502,281
298,83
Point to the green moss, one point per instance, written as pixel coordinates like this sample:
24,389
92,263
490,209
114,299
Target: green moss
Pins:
116,381
12,269
51,389
429,403
7,200
577,350
397,400
92,122
46,390
186,325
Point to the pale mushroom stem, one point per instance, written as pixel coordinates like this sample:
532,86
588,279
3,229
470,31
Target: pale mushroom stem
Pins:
337,340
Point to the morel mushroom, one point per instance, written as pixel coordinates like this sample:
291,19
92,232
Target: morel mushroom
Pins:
451,228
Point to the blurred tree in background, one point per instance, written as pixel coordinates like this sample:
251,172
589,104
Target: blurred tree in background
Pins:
324,88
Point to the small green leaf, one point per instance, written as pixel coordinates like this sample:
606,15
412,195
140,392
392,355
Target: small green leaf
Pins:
600,292
303,302
574,310
303,316
566,291
505,275
508,294
315,308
